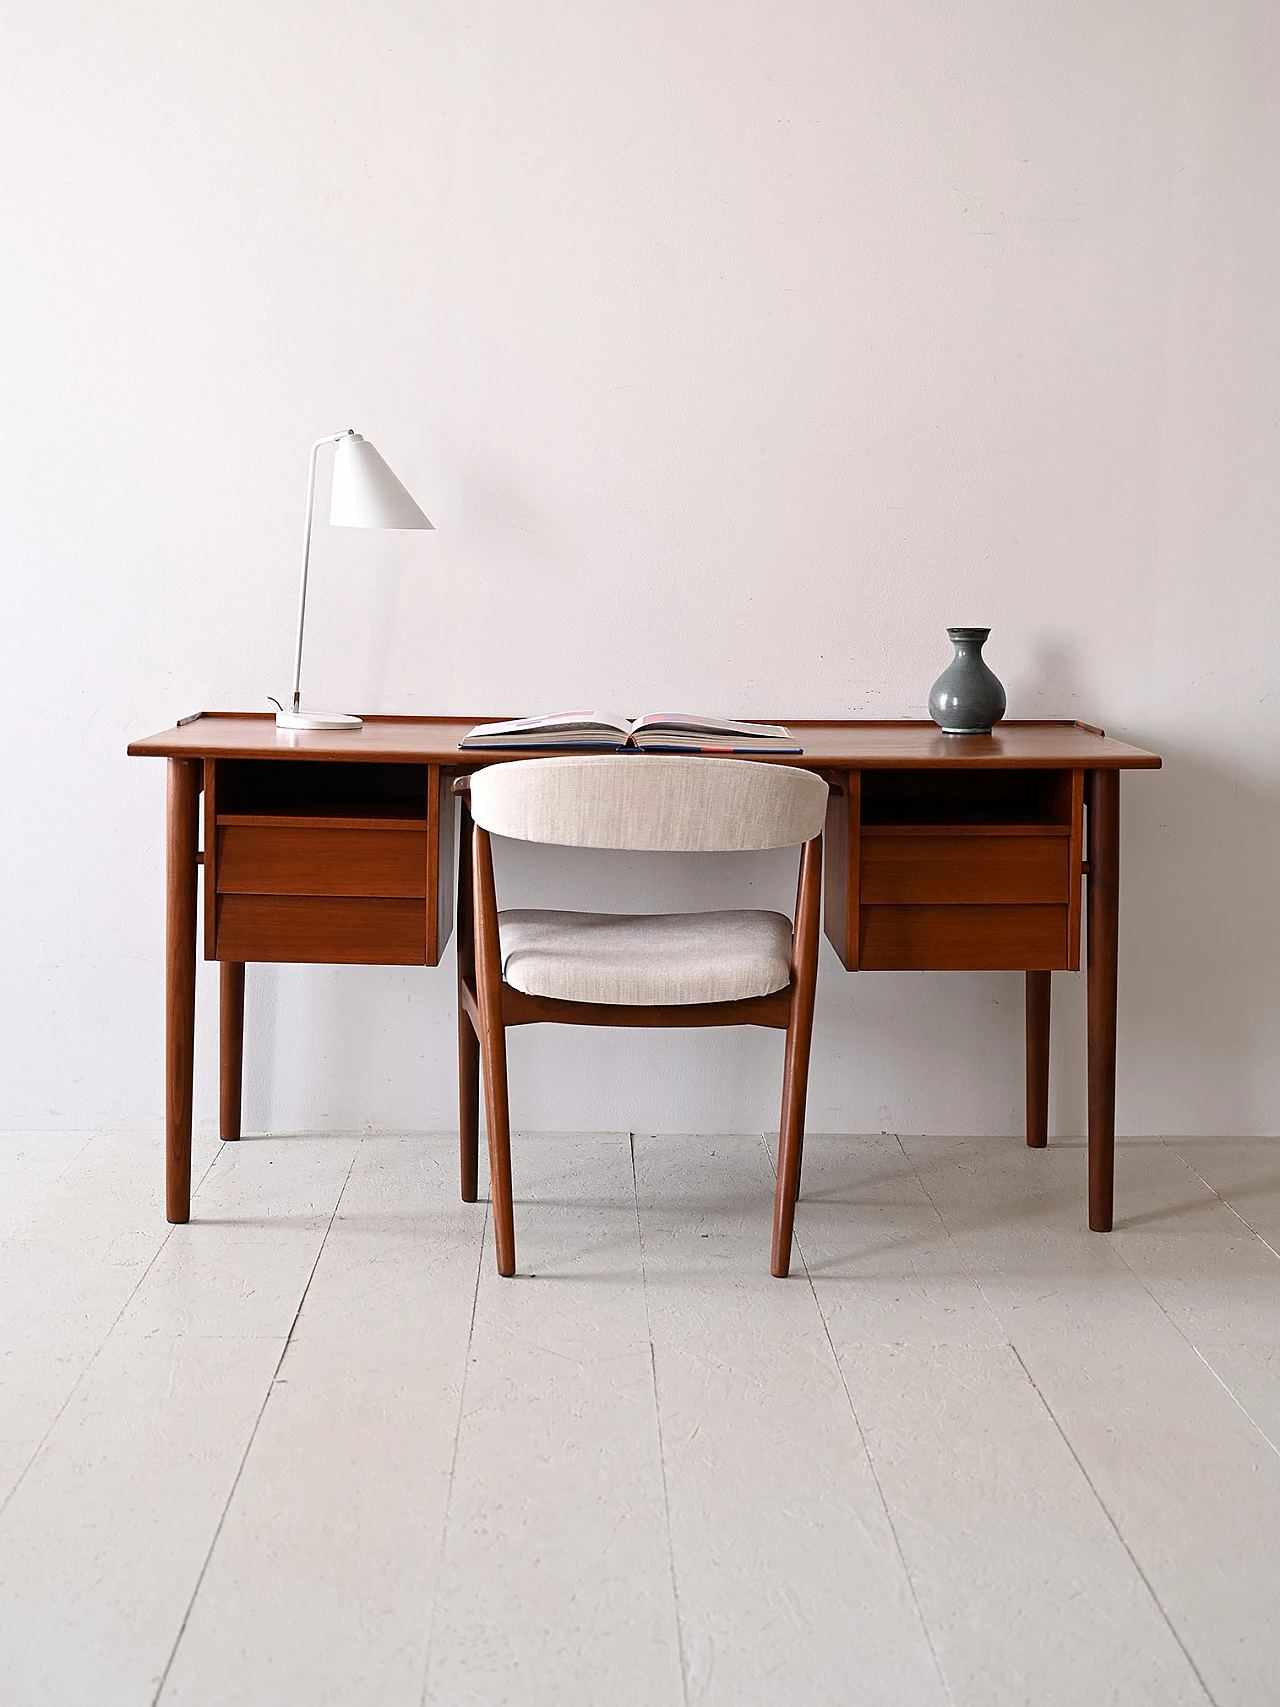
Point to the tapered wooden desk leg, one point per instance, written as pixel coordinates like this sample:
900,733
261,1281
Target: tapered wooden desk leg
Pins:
1039,986
231,1047
468,1042
1104,919
180,980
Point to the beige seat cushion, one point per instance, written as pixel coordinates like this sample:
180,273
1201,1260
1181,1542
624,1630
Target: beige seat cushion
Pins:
645,957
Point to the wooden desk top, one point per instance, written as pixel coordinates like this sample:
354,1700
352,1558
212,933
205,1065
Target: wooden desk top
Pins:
846,745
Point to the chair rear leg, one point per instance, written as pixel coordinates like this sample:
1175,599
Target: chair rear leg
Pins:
795,1072
493,1054
493,1050
795,1085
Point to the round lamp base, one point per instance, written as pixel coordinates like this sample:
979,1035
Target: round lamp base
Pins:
317,720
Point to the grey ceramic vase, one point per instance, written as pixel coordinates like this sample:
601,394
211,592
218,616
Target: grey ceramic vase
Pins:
967,697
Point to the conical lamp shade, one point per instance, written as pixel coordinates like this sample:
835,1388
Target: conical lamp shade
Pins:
366,494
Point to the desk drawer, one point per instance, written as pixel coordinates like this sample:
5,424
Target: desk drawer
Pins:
275,859
329,929
963,939
937,868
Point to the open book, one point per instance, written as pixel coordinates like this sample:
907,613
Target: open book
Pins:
659,732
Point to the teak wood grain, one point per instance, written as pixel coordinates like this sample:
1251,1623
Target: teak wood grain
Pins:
440,820
493,1049
519,1008
181,848
385,858
210,776
231,1048
1104,910
963,939
795,1067
468,1018
842,845
1075,869
1039,987
954,869
854,744
335,930
940,852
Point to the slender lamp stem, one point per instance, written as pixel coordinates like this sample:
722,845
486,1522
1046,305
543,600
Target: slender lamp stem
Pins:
329,439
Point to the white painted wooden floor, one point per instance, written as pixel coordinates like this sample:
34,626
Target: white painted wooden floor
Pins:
310,1449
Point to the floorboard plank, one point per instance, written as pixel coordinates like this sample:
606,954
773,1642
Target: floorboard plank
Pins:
319,1586
1217,1280
875,1248
556,1588
1189,1482
979,1455
789,1579
1027,1592
103,1542
31,1163
1245,1173
257,1224
80,1224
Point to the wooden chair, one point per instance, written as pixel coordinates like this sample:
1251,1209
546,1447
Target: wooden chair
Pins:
683,969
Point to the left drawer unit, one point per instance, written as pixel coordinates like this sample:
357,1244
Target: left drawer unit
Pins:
326,862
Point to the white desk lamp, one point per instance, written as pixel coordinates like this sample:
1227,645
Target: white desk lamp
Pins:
366,494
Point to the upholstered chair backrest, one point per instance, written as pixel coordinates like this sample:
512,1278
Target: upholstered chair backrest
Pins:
658,801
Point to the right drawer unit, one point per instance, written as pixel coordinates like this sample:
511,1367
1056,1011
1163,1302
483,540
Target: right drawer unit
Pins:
941,878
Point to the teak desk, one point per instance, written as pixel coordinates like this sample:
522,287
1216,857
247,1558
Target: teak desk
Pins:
942,853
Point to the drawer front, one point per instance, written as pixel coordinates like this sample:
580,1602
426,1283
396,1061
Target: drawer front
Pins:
951,871
963,939
290,860
330,929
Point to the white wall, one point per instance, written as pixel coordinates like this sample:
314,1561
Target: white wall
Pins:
735,351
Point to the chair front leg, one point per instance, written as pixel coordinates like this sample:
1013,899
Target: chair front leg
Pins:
795,1073
493,1050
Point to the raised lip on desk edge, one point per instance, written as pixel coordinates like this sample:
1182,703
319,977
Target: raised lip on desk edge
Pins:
800,722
